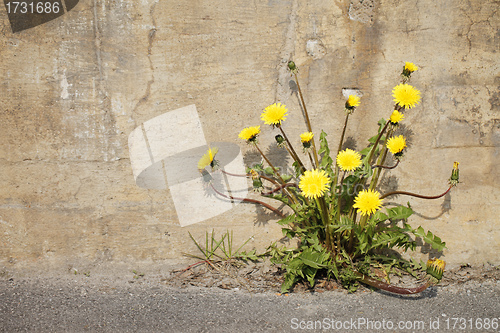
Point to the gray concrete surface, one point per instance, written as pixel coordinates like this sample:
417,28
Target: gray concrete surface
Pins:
104,304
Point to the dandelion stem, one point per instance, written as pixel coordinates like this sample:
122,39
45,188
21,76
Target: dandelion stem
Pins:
386,167
291,196
310,159
280,188
342,181
351,242
362,221
339,199
249,175
292,151
308,121
381,161
353,216
370,155
338,150
323,210
324,216
416,195
233,174
343,133
270,164
248,200
377,172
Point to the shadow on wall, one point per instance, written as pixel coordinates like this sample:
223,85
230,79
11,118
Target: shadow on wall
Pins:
164,153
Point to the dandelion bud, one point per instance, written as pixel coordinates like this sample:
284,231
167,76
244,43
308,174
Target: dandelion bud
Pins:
280,141
407,70
257,185
292,67
454,174
435,268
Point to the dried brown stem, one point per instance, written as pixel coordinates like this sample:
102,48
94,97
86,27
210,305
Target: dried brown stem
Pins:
248,200
280,188
386,167
416,195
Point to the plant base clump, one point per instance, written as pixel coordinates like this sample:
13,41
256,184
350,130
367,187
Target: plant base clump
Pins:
336,214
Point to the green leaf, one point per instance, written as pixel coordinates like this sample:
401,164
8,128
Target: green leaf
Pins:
286,178
373,139
269,171
366,151
252,255
257,167
333,270
399,213
288,233
281,198
286,220
391,237
297,169
313,259
290,279
381,124
326,161
310,274
430,239
344,224
378,217
323,148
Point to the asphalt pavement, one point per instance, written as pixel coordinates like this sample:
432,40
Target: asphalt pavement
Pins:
99,304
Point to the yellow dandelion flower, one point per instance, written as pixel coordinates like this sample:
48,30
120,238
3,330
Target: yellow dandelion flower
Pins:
405,95
367,202
208,158
306,137
396,117
249,134
314,184
348,160
410,67
352,102
274,114
396,144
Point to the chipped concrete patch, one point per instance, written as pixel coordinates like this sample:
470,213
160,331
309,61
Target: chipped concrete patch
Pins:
351,91
362,11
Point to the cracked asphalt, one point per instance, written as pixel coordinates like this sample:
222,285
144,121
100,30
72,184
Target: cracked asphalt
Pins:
101,304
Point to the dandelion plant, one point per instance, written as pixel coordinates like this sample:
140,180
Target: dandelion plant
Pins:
336,210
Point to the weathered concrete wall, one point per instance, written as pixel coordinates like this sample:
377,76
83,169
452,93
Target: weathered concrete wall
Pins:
73,89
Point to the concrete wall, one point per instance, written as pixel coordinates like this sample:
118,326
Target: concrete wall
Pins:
73,89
